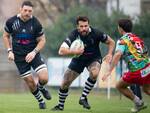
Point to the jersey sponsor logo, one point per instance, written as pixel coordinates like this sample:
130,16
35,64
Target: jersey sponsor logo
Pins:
145,71
23,38
24,42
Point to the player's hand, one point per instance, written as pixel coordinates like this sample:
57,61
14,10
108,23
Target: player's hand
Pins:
108,58
105,76
30,56
11,56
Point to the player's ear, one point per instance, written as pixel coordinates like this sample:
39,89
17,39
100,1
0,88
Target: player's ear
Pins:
77,27
20,9
120,30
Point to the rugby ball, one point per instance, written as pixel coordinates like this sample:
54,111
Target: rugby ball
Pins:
77,44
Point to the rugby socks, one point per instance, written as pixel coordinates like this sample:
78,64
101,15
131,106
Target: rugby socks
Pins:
62,97
89,84
38,96
40,86
137,100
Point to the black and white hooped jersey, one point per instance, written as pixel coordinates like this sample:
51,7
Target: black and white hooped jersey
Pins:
23,34
91,42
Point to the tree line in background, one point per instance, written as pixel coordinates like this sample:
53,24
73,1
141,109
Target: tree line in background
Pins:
98,18
65,22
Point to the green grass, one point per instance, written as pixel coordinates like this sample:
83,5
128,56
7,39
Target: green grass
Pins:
25,103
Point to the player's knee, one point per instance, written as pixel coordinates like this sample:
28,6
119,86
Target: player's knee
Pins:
94,73
93,77
43,81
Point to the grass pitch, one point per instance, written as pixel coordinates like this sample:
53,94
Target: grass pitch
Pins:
25,103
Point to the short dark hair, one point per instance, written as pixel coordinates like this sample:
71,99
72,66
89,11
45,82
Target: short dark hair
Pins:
81,18
27,3
125,24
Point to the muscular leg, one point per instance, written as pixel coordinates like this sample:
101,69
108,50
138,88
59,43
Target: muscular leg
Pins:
89,84
146,89
122,86
43,79
35,91
43,76
94,69
30,82
69,76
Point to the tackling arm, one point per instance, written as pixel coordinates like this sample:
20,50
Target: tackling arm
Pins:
111,45
114,62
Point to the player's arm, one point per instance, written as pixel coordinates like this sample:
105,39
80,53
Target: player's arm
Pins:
65,50
65,46
40,36
40,43
7,44
41,40
6,40
6,34
114,62
120,49
115,59
111,45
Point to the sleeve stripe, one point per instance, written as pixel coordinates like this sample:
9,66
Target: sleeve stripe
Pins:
65,45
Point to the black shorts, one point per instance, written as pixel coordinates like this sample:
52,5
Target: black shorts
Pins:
25,68
78,65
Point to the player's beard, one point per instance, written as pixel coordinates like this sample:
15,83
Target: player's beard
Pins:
84,33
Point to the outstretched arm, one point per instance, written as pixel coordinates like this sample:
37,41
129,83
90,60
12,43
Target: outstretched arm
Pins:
111,45
114,62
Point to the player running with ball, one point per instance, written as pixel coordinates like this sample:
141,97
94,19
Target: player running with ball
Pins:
90,57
